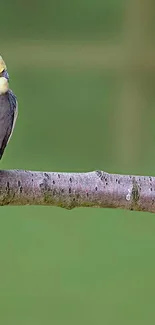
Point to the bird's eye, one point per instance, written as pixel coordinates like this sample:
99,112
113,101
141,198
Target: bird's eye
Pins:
2,65
1,73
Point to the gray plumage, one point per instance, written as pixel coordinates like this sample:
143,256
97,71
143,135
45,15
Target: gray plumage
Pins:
8,115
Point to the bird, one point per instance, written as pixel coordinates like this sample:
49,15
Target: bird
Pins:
8,108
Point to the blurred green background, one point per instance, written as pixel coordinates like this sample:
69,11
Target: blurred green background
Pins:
84,74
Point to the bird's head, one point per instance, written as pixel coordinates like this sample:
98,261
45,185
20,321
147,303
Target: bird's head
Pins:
3,69
4,77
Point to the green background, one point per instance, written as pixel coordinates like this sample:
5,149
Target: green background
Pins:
85,266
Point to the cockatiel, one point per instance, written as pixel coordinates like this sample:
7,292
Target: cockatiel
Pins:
8,108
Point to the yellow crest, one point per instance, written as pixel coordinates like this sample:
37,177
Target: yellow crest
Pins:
2,65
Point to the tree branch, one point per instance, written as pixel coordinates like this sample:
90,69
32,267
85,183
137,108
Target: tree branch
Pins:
69,190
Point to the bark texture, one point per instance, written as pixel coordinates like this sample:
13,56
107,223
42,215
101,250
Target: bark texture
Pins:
69,190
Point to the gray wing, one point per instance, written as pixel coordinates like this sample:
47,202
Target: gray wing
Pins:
8,105
14,108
